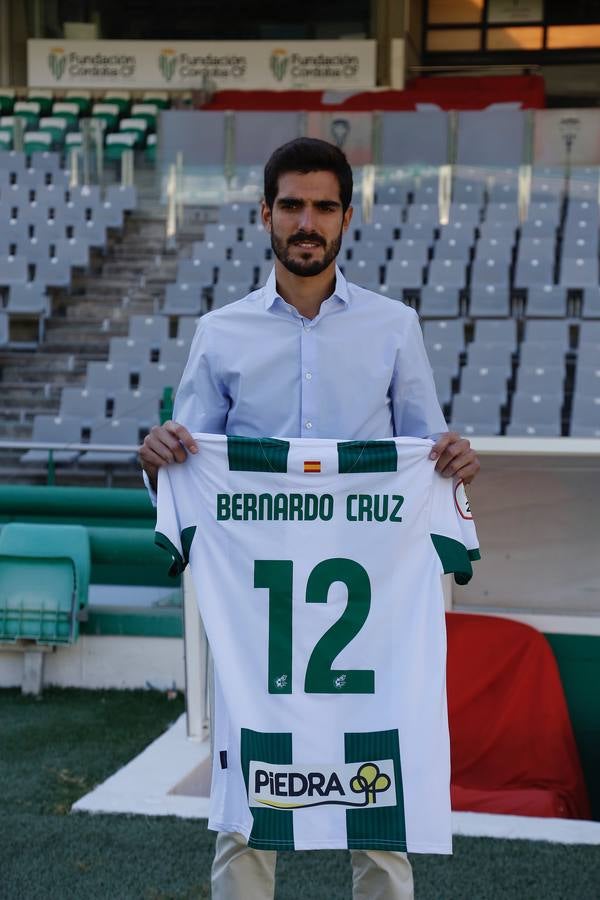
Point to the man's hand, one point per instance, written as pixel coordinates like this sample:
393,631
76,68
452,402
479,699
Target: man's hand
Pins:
455,457
165,444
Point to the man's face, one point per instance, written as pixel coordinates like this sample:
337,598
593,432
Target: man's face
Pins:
307,221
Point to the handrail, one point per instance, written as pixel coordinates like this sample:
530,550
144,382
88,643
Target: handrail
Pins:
54,445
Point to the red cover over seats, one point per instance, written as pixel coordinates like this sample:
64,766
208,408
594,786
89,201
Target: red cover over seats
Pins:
512,744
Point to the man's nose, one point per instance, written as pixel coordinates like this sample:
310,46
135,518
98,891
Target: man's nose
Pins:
307,218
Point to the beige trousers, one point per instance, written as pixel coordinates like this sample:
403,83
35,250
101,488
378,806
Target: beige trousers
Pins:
241,873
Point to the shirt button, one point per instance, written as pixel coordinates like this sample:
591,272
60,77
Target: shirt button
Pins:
308,376
308,425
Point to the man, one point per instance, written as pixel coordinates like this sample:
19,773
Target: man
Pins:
308,355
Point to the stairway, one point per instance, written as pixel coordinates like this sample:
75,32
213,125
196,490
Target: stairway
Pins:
128,278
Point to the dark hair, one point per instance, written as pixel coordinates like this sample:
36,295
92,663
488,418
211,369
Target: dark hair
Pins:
308,155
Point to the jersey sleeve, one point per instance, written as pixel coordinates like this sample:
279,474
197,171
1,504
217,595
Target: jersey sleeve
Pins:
172,533
452,528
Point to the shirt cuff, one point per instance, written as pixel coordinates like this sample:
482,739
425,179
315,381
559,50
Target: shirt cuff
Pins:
150,489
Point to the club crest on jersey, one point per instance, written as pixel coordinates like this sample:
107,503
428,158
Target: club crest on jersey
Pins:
462,501
286,787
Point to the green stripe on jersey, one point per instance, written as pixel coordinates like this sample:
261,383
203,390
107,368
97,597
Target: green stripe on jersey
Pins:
455,557
257,454
383,828
273,829
367,456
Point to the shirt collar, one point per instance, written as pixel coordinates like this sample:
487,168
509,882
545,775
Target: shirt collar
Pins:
340,290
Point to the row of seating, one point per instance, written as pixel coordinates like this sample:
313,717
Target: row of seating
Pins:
54,124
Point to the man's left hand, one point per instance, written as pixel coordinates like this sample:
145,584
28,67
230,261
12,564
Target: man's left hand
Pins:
455,457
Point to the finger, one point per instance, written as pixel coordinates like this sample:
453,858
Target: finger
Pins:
452,453
182,435
449,464
468,472
446,439
157,454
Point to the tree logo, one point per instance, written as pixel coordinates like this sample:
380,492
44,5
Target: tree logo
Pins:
57,62
370,782
167,63
279,63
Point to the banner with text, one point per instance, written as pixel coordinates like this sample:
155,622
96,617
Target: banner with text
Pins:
177,65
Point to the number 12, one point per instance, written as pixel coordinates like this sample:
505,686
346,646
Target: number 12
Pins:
277,577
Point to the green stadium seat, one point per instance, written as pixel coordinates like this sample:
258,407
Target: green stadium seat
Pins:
7,101
137,127
37,141
44,581
110,113
159,98
117,143
56,127
6,139
43,97
29,110
146,111
83,100
121,98
67,109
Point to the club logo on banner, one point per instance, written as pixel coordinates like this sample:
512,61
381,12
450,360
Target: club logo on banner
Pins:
167,63
57,62
288,787
279,63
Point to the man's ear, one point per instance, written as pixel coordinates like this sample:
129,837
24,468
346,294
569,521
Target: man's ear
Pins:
347,218
265,215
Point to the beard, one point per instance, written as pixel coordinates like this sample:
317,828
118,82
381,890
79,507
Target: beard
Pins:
306,266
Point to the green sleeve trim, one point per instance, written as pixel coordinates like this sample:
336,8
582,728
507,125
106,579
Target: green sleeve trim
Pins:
367,456
177,563
257,454
187,536
474,554
454,557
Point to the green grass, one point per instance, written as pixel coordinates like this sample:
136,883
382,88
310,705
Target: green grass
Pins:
57,748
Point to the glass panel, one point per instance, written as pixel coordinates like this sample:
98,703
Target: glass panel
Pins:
573,36
455,39
447,12
515,11
526,38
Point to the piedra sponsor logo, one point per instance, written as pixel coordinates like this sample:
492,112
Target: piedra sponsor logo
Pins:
117,66
188,67
354,785
298,67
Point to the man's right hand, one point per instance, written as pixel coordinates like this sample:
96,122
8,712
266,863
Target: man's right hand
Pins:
165,444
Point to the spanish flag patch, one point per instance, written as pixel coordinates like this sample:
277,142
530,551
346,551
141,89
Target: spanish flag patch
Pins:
312,465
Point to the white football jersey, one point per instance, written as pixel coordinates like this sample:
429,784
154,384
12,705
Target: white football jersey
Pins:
317,568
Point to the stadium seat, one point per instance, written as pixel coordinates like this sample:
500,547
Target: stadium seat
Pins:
119,432
112,376
143,405
447,272
442,355
44,581
467,213
485,271
548,210
531,271
420,231
574,247
452,248
497,248
73,252
362,271
404,273
537,248
237,271
377,231
157,376
439,301
489,300
489,380
195,272
476,414
589,333
174,350
184,300
540,228
386,214
540,379
540,353
27,298
422,213
84,403
483,353
137,351
497,331
224,294
585,415
13,270
122,196
54,272
534,410
546,301
238,214
448,332
411,249
55,430
549,332
579,273
505,213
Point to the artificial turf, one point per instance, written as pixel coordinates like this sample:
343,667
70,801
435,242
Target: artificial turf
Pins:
55,749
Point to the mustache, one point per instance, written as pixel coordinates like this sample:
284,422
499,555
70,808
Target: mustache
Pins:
301,236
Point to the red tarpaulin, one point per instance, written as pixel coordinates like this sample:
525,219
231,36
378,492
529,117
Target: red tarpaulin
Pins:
458,92
512,744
